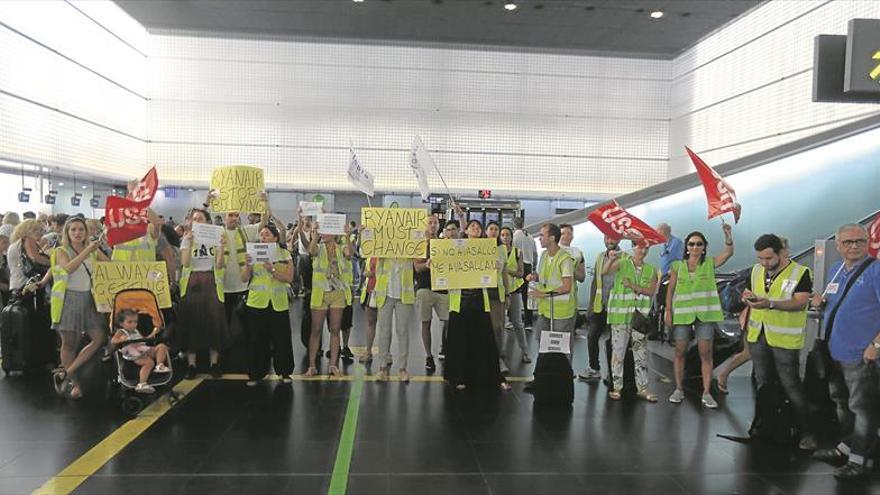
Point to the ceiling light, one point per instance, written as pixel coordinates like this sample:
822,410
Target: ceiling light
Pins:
656,14
60,183
358,1
510,6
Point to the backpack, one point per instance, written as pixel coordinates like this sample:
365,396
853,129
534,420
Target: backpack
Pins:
774,417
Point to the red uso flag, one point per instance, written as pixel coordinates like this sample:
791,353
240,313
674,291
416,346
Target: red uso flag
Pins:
874,237
125,219
144,189
618,223
719,195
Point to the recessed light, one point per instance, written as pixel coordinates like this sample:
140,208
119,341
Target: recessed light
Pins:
510,6
656,14
358,1
60,183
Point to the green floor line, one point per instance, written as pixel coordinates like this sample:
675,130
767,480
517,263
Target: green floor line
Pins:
339,480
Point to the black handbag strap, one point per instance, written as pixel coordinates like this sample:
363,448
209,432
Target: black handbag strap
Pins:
849,283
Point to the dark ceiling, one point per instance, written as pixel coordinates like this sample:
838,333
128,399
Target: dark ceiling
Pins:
611,27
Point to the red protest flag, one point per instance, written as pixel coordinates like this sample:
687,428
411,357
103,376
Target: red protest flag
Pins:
145,188
616,222
874,237
125,219
719,195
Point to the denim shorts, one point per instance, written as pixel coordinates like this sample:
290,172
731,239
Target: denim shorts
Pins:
704,331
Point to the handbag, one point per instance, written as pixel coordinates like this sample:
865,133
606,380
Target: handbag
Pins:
640,322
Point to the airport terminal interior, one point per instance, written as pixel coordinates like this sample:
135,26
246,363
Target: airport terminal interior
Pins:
440,247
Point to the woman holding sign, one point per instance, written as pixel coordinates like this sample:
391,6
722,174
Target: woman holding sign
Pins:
693,308
268,319
471,353
331,293
201,316
73,306
497,295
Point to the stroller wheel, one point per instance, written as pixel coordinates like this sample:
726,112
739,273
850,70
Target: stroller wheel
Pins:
132,405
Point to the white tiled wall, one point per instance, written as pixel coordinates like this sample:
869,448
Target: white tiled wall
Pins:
530,124
748,87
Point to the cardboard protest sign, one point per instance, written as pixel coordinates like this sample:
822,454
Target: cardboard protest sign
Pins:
394,232
311,208
331,223
261,252
110,277
238,189
207,234
463,263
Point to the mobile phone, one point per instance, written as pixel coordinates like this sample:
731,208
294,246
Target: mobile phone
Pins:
752,298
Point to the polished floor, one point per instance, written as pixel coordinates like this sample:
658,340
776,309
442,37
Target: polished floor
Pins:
417,438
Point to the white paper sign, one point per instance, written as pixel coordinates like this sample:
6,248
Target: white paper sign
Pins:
555,342
359,176
261,252
311,208
207,234
331,223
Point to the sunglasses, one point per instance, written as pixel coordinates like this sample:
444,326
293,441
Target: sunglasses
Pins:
695,244
853,242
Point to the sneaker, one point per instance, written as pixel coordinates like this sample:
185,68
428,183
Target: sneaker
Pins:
442,355
216,372
190,372
346,353
161,368
709,401
590,375
526,359
503,367
676,396
251,383
851,471
831,456
286,379
509,326
143,388
808,442
429,363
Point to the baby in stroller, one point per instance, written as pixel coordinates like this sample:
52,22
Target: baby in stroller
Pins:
150,358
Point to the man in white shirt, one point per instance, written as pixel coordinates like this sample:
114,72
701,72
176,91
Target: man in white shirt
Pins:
526,245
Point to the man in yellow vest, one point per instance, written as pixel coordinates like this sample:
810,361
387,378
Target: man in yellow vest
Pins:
430,301
396,301
143,248
778,293
555,278
600,289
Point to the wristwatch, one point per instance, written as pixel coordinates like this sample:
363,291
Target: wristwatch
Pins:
876,344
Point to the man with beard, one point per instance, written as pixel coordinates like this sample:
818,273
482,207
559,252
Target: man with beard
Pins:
598,302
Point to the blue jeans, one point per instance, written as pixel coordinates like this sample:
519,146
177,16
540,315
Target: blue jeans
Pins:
855,387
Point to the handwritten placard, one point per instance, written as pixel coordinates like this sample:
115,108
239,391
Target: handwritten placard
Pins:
261,252
207,234
238,189
311,208
463,263
331,223
109,278
394,232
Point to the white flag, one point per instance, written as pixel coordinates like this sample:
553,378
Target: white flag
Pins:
359,176
421,163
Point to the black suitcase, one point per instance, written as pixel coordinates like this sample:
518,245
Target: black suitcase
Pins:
15,337
554,380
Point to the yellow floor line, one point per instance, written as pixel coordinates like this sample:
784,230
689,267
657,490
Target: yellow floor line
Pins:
347,378
89,463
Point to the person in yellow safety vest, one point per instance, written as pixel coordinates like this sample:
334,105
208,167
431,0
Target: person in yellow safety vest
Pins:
513,270
778,293
73,306
201,323
268,319
635,283
395,300
237,237
143,248
693,308
348,313
597,316
430,301
498,295
555,279
368,304
331,292
471,352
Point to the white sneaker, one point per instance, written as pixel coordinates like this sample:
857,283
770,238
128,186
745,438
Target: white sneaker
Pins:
590,375
503,367
676,396
161,368
709,401
143,388
251,383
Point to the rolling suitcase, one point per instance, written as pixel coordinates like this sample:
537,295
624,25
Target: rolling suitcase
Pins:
15,337
554,378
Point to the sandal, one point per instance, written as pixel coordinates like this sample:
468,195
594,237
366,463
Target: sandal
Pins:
366,358
334,371
312,371
73,392
505,386
614,394
722,387
382,375
648,396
